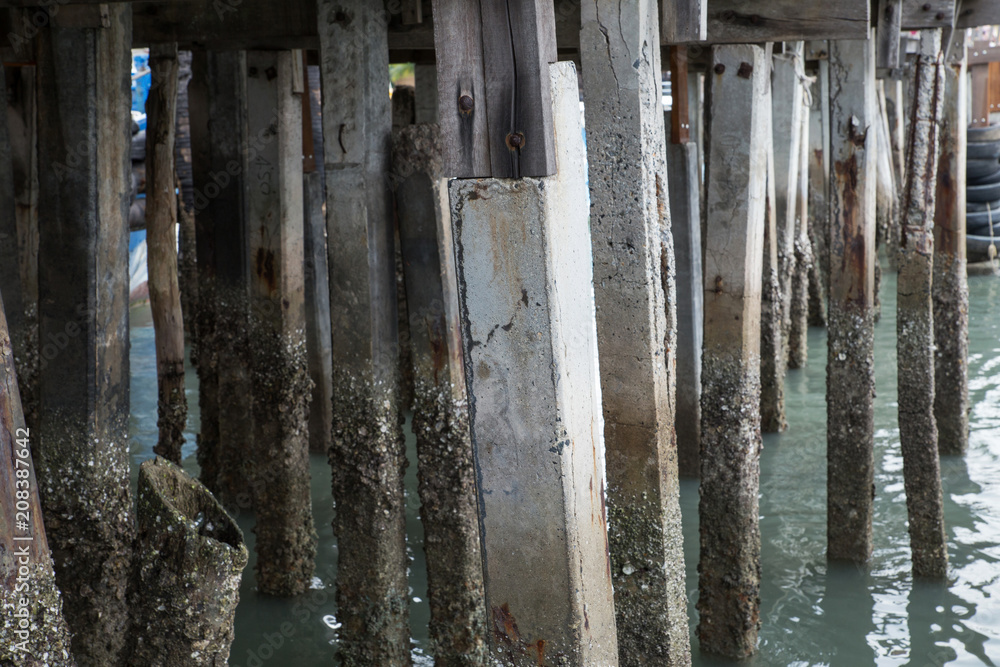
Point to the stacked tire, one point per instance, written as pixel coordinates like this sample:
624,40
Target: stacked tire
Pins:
982,191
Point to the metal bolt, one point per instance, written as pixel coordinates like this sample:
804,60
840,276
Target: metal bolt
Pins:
720,68
939,16
515,140
926,7
465,103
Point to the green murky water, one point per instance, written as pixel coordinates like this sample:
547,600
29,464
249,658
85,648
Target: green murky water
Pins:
813,613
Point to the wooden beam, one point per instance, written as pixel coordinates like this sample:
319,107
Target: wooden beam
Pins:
979,113
683,21
922,14
680,122
743,21
975,13
890,15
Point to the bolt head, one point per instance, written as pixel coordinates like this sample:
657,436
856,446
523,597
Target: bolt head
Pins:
720,68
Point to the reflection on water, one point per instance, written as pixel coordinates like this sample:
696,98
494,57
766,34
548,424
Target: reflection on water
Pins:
813,613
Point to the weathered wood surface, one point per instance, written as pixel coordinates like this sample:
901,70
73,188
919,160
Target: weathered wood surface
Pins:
82,461
446,473
915,319
951,287
819,186
33,622
773,345
161,240
684,21
850,364
923,14
367,456
798,331
736,21
634,283
890,16
523,249
188,563
729,584
974,13
979,113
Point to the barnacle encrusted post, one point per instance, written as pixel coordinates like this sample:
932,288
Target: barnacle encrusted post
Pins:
188,562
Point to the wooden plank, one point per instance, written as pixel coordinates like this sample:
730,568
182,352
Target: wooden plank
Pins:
743,21
975,13
922,14
993,87
461,86
890,16
979,112
729,583
519,43
680,123
683,21
983,52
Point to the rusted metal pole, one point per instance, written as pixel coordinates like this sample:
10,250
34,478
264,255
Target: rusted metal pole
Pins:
951,287
279,471
440,408
189,560
850,384
82,461
634,283
161,240
915,320
729,584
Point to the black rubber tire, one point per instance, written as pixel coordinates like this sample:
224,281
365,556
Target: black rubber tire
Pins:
980,206
979,223
988,150
988,192
992,177
977,248
989,133
980,168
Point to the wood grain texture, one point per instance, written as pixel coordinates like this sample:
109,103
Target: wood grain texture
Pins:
683,21
974,13
741,21
921,14
979,113
890,14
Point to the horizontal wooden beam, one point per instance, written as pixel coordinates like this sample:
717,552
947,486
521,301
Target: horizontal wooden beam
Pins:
920,14
751,21
983,52
975,13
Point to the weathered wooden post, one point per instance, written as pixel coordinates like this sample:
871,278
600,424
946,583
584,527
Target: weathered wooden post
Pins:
279,473
729,584
787,111
798,332
34,631
440,408
773,351
684,188
850,384
317,273
951,287
819,186
367,457
83,451
636,327
188,562
161,240
220,213
915,317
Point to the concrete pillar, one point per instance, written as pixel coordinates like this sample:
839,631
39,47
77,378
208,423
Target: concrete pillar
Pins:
368,455
636,303
317,272
787,110
738,120
685,225
440,408
33,621
951,287
220,213
798,332
279,470
819,198
83,449
773,348
850,384
915,318
161,240
524,262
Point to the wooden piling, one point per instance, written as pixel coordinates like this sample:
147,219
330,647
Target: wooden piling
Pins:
83,462
634,283
914,317
367,457
729,582
773,351
951,287
440,408
798,339
850,384
279,471
524,253
34,631
188,563
161,241
819,199
219,202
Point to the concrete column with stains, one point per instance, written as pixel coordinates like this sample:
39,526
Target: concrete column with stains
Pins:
82,461
850,379
279,469
368,454
915,316
729,584
951,287
635,294
524,266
